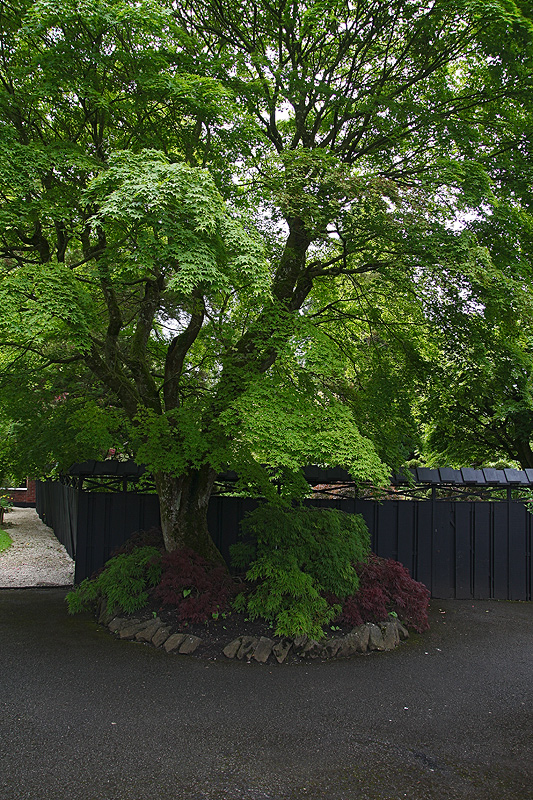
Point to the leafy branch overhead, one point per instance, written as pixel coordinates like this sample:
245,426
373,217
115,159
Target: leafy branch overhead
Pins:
223,226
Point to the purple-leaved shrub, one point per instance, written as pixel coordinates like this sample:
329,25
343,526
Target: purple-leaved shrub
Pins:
386,586
197,589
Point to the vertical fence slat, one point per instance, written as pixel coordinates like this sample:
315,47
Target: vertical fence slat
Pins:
85,533
500,551
424,534
369,511
518,541
406,537
387,531
443,554
463,551
482,550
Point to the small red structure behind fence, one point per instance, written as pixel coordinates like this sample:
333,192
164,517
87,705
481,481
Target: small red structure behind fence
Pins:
23,495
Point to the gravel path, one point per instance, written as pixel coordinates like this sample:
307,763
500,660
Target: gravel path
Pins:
36,557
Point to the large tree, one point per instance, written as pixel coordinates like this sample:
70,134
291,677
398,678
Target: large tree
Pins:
477,407
189,190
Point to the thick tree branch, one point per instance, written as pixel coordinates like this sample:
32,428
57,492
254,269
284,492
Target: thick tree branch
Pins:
115,380
178,350
138,352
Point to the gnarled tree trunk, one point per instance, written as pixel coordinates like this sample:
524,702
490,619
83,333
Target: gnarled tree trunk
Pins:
183,502
524,454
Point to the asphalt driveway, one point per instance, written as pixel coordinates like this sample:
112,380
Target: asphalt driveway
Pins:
448,715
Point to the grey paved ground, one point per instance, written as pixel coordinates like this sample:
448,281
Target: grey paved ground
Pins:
36,557
86,717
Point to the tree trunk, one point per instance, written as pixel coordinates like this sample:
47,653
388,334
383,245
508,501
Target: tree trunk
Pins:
183,504
524,454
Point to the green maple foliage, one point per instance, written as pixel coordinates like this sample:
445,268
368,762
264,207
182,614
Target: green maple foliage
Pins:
193,199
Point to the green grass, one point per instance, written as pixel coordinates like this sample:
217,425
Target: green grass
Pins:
5,540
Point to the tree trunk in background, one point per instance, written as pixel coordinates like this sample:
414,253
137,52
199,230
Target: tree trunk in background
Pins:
524,453
183,502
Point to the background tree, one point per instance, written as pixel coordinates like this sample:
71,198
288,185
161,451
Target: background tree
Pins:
332,134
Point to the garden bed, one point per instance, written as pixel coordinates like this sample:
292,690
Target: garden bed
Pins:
235,636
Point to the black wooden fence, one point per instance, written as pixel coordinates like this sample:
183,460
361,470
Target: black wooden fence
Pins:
472,549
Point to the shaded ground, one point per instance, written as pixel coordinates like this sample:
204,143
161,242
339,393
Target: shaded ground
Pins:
86,717
36,557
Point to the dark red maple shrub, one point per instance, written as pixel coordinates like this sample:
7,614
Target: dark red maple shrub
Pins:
198,590
386,586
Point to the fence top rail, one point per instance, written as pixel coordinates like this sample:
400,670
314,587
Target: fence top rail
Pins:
468,477
110,467
421,476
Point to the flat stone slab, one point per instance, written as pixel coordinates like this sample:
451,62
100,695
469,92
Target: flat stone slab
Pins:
356,641
117,623
173,642
375,638
231,649
131,631
391,636
312,649
332,647
247,645
263,649
160,636
190,644
281,650
146,634
402,630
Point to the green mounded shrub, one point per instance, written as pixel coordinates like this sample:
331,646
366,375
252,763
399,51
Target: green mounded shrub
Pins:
5,540
299,555
124,582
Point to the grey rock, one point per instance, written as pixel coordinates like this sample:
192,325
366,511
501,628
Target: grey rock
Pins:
160,636
332,647
402,630
231,649
146,634
312,649
247,645
375,638
346,648
300,642
391,637
173,642
281,650
117,623
359,637
357,641
263,649
190,644
130,631
104,615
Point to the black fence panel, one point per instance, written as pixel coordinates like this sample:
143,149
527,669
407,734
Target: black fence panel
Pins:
105,521
57,506
476,549
223,519
479,550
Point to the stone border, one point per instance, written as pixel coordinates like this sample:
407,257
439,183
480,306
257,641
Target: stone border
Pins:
362,639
